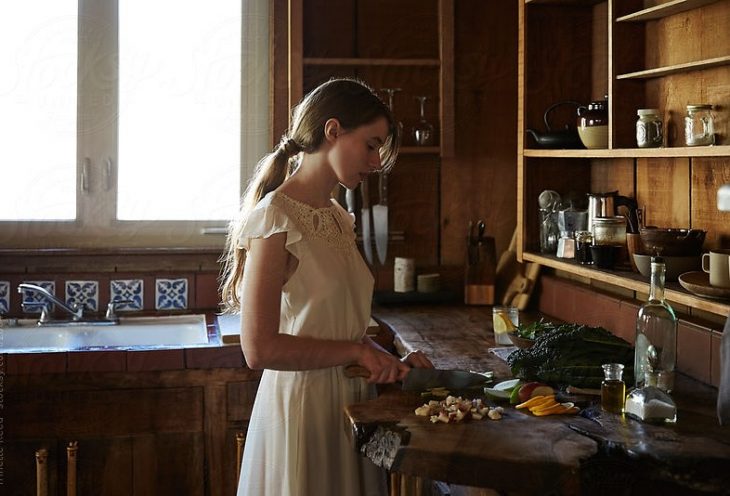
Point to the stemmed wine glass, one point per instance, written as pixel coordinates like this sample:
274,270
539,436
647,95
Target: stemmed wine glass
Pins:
423,130
391,92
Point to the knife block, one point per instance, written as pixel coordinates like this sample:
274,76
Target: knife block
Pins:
481,267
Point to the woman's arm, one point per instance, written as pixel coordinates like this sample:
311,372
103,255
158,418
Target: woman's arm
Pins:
263,345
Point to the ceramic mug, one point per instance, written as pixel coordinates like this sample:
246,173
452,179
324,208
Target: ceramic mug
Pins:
716,264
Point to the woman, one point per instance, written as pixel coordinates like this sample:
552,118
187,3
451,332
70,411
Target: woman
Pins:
305,297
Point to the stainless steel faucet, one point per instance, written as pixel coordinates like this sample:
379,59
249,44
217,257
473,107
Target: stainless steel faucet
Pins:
76,311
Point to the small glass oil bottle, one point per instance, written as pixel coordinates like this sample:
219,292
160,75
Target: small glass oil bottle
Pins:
613,389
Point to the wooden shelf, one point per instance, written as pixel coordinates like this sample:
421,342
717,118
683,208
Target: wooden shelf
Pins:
630,280
673,152
580,3
353,61
664,10
678,68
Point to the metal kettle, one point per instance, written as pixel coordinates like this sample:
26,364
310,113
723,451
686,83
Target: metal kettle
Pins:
556,138
605,204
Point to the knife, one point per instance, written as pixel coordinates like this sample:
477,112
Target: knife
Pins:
421,379
365,219
380,219
350,201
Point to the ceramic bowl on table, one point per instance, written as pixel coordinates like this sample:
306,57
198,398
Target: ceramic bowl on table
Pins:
672,242
674,265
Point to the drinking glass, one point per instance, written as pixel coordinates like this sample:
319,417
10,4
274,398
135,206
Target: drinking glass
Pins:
391,92
423,130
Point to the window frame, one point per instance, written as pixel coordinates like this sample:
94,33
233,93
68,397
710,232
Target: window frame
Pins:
96,224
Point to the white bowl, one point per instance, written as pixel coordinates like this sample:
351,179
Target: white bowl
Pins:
594,136
675,265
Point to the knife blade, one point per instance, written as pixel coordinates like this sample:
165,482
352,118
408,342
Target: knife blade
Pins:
421,379
365,220
380,219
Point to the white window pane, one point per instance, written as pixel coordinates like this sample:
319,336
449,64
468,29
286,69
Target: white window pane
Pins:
179,109
38,58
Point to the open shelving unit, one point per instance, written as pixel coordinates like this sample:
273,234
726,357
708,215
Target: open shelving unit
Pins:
665,56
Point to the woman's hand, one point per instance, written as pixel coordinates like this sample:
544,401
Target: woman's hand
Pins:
383,367
417,359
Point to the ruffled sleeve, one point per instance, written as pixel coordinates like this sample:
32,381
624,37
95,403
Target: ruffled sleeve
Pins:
267,219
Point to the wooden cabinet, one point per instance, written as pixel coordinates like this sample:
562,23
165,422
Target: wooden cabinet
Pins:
162,433
405,44
666,56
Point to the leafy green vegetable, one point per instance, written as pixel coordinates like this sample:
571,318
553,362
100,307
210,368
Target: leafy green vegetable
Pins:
570,354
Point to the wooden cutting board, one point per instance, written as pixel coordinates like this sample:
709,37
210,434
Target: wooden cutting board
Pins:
515,281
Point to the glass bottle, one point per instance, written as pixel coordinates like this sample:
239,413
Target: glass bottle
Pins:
583,242
656,336
613,389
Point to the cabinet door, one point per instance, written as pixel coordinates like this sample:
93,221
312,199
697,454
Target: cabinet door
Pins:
168,464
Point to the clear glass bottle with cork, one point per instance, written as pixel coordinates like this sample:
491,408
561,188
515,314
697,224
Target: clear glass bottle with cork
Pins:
656,336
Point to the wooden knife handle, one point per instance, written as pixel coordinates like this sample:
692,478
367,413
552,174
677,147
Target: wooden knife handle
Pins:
352,371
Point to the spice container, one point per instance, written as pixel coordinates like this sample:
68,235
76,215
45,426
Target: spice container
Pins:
609,230
649,133
613,389
699,127
583,242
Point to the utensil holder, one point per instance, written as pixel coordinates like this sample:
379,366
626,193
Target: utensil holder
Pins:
480,273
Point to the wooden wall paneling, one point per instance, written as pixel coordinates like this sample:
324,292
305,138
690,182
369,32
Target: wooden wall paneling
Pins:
708,174
403,29
296,51
566,177
599,48
627,42
663,187
613,175
479,181
547,28
339,38
414,209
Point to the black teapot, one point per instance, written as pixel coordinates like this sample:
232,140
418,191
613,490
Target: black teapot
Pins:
560,138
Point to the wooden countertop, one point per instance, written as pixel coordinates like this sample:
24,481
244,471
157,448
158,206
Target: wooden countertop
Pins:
523,454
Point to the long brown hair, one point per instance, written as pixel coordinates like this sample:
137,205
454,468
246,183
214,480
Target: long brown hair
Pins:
353,104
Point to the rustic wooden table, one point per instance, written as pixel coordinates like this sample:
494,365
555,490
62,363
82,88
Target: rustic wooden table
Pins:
522,454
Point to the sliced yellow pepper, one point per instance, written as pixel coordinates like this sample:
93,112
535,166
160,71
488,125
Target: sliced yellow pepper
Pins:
534,401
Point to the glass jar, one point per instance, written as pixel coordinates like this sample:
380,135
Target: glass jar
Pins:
609,230
699,128
649,133
583,242
613,389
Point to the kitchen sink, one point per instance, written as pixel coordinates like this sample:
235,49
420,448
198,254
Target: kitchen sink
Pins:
132,332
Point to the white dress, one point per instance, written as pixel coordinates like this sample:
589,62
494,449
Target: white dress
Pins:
298,441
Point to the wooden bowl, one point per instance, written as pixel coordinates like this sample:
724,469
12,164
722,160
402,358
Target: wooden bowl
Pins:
520,342
672,242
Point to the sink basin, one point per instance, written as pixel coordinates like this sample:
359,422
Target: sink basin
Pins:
168,331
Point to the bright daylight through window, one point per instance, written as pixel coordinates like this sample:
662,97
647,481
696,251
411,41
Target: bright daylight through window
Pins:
157,115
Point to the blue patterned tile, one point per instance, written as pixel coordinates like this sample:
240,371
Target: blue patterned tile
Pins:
84,294
171,294
128,291
33,297
4,297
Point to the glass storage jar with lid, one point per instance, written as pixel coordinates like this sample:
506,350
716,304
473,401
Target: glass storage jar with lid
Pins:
609,230
699,128
649,133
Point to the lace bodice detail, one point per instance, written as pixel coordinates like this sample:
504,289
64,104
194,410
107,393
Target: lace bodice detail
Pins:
325,223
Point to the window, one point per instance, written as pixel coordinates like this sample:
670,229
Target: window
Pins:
124,121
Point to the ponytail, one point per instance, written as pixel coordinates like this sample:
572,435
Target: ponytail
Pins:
271,171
